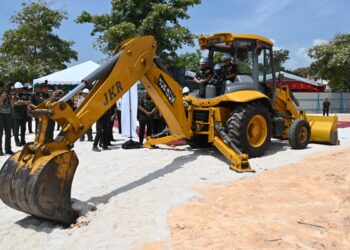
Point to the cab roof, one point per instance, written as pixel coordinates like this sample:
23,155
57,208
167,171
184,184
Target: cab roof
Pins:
205,41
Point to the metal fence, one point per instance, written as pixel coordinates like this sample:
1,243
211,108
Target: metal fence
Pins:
312,102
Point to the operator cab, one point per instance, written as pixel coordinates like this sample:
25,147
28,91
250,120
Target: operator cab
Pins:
251,56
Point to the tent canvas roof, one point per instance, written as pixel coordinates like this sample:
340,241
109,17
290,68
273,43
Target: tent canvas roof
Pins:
70,76
288,76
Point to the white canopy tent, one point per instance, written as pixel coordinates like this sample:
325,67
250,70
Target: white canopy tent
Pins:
70,76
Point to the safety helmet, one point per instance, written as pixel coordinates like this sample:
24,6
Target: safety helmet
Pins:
225,57
85,91
185,90
18,85
217,66
203,61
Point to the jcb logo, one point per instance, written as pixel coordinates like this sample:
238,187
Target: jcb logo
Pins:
112,93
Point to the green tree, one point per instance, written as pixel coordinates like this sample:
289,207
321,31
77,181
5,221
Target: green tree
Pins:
32,49
129,18
302,72
188,60
280,57
332,61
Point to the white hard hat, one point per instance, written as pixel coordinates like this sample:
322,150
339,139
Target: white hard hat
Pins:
185,90
225,57
18,85
85,91
203,61
217,66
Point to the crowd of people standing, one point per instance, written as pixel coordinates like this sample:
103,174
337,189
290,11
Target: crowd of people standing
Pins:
16,102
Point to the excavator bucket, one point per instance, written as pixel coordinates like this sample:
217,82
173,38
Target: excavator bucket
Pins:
323,129
42,187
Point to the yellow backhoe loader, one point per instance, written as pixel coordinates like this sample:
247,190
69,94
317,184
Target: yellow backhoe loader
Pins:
239,122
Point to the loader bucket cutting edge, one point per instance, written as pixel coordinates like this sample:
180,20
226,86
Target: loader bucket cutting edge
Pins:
43,188
323,129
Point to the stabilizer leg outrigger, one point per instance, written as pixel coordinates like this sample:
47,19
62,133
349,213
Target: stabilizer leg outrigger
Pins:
239,161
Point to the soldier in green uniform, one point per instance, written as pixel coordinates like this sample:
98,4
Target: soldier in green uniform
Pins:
203,76
19,113
5,119
229,70
146,108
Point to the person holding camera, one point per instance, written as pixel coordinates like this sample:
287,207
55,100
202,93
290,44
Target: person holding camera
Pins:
5,119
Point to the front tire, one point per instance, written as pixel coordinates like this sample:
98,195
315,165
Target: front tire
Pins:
249,128
299,134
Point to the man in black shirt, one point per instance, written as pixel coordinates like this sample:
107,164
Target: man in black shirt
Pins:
326,105
203,76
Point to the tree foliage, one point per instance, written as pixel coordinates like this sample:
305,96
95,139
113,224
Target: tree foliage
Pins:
32,49
302,72
188,60
332,61
280,57
129,18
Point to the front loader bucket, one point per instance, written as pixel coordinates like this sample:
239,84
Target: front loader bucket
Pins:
41,188
323,129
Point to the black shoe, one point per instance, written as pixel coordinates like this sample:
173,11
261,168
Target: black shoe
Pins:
81,139
23,143
18,144
106,148
90,139
1,153
113,139
10,152
96,149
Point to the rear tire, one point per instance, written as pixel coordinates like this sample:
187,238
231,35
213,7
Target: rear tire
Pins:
250,129
299,134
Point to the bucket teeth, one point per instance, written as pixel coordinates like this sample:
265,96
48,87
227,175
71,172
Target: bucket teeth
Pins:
42,188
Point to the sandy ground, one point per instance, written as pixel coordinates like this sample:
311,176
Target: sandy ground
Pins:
125,195
300,206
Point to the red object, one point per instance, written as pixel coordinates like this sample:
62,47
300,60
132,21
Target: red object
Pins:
343,124
177,143
116,125
298,86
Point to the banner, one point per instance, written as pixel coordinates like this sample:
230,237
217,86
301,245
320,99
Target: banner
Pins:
129,109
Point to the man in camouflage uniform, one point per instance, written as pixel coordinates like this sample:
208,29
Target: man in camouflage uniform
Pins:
203,76
229,70
146,109
5,119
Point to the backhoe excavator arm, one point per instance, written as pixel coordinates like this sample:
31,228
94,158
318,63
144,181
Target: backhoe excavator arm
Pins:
134,62
38,179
